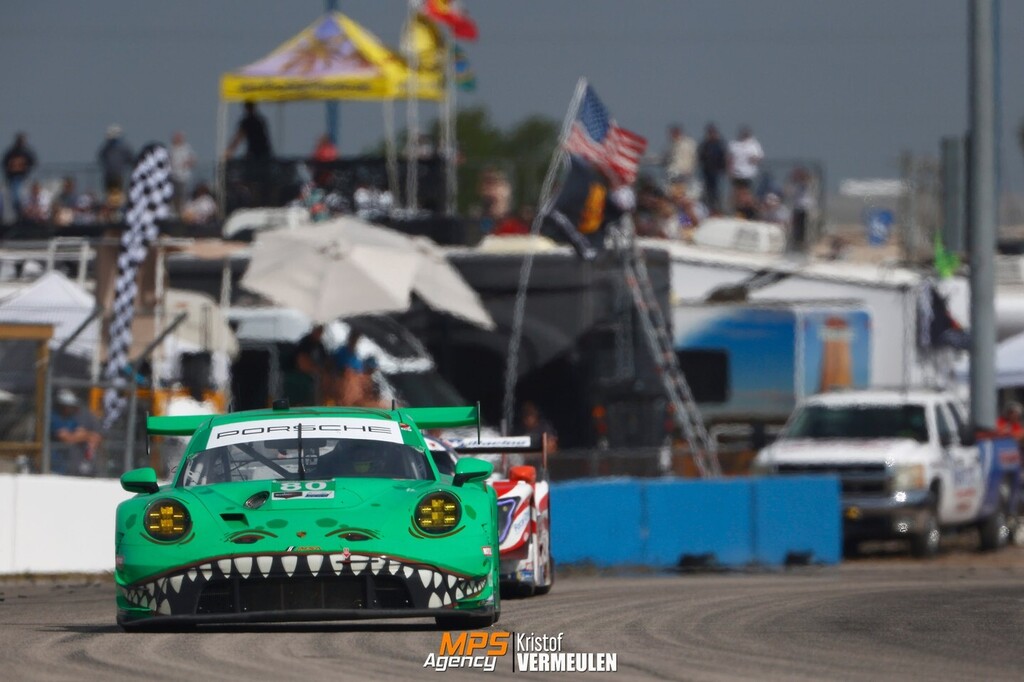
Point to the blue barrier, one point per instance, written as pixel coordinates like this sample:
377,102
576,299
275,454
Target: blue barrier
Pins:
698,518
797,515
730,522
603,522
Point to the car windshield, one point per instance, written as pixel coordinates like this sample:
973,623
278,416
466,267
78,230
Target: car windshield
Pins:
253,451
859,422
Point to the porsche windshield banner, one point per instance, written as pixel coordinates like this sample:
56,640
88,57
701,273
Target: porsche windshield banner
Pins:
311,427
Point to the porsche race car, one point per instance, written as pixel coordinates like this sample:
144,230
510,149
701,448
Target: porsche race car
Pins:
524,510
308,514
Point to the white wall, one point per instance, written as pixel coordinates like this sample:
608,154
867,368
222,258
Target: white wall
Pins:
57,524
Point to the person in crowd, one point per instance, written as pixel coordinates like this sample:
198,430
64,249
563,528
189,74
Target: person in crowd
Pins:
712,157
802,199
681,157
689,211
744,202
183,161
495,192
201,209
115,157
745,156
252,129
310,373
85,209
38,203
1009,422
656,215
75,434
533,424
63,205
324,152
19,160
346,357
774,211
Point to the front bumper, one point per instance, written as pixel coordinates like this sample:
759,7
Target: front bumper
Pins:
899,514
277,587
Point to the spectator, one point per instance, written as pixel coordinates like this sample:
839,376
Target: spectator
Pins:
745,155
495,193
681,156
19,160
310,368
252,129
325,150
801,191
712,157
115,159
324,153
76,436
183,160
744,202
36,208
1009,423
533,423
65,202
201,208
774,211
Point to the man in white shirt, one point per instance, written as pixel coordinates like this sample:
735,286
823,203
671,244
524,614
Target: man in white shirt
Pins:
745,155
681,157
183,159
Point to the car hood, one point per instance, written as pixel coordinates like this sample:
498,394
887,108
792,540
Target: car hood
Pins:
807,451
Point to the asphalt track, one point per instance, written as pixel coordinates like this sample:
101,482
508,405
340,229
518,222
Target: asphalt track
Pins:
958,617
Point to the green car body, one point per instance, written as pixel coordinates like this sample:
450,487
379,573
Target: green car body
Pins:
243,536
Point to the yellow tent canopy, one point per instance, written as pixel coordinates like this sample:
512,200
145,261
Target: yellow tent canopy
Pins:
333,59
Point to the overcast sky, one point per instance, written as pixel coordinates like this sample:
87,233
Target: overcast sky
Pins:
846,83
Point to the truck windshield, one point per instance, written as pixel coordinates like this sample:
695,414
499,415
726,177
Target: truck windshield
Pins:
860,422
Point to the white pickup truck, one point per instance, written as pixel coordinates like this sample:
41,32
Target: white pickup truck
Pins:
908,465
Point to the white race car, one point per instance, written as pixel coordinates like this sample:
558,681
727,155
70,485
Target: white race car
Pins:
524,510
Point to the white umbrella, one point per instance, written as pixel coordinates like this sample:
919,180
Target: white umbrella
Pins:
429,275
322,272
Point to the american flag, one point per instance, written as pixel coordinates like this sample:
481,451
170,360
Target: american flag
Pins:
598,138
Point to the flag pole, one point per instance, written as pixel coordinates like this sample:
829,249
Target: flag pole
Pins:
515,339
412,127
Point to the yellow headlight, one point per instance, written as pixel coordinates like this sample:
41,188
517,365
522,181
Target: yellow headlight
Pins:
167,520
438,513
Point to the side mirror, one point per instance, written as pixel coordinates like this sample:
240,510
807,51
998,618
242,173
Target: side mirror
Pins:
968,436
140,481
471,469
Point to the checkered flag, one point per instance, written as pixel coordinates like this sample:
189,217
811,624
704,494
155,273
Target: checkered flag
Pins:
149,196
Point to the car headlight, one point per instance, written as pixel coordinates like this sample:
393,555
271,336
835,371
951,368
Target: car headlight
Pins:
438,513
908,477
167,520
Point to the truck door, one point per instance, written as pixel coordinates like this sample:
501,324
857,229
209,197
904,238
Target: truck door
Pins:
965,462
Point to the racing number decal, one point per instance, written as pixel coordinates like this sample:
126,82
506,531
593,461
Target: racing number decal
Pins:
291,486
291,490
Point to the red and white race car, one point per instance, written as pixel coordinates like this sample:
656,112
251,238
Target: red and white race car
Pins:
524,512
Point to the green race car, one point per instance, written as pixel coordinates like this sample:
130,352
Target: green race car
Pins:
308,514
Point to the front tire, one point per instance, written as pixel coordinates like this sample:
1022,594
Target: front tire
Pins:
925,543
994,531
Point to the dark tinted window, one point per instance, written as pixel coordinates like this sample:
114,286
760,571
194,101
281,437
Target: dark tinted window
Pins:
860,422
707,372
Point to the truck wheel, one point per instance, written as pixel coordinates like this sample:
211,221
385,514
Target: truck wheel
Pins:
995,530
925,544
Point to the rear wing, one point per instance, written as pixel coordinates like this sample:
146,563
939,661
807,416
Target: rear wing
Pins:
503,445
182,425
443,417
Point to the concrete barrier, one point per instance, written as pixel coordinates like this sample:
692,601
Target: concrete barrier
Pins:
57,524
731,522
